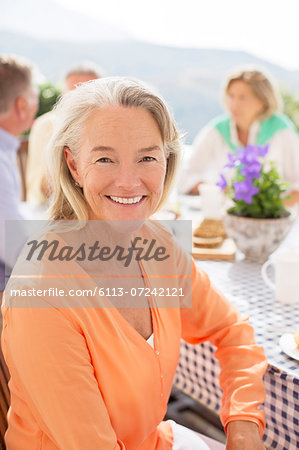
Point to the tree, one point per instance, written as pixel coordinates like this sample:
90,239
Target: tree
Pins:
291,106
48,96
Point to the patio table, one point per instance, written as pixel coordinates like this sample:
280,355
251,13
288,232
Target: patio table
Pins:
198,370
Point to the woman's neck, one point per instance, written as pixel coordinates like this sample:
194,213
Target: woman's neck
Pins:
243,130
243,135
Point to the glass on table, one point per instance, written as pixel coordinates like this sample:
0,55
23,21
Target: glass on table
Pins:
212,200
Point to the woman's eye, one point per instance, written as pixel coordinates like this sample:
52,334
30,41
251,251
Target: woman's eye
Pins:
104,160
148,158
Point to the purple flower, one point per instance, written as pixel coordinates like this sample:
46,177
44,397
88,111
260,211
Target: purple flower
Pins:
240,153
245,190
252,170
231,160
248,155
247,165
263,150
222,183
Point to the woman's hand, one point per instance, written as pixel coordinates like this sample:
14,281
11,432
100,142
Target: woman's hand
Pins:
243,435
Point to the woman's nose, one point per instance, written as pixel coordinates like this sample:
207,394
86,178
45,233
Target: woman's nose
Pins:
232,102
127,177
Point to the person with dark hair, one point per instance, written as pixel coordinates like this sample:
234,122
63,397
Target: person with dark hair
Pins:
18,105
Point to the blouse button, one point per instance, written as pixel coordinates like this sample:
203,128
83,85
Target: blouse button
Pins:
157,352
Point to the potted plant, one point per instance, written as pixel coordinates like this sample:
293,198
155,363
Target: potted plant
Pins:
257,220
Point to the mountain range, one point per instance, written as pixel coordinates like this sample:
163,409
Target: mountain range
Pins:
189,79
47,19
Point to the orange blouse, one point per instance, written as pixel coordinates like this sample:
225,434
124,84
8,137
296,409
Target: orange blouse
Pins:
83,377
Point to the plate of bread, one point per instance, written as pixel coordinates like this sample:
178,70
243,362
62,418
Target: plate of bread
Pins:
211,242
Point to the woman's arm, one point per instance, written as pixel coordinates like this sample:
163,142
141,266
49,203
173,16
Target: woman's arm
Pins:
50,364
242,362
243,435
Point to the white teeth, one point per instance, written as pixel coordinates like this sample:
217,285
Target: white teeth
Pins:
126,201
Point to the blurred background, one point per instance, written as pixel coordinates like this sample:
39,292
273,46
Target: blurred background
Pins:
184,48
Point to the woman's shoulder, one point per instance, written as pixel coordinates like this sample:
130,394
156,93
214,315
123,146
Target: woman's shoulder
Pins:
41,268
160,230
175,236
214,129
279,121
275,126
219,122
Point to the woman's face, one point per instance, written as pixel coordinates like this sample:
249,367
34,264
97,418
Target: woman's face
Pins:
242,104
121,164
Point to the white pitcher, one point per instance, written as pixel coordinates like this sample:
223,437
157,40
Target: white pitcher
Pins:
286,286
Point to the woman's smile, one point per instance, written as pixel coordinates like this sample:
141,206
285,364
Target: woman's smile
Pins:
126,201
121,164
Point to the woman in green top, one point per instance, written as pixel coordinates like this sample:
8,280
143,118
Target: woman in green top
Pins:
254,117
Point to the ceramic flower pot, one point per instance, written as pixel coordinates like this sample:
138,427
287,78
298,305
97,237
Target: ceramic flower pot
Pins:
257,238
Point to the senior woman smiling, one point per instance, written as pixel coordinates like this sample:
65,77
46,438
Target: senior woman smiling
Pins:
90,377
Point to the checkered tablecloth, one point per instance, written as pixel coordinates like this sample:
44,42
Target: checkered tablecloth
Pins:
198,370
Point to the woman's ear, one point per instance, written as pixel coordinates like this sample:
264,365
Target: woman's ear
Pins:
72,165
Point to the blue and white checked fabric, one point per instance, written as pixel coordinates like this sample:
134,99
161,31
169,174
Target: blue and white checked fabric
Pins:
198,370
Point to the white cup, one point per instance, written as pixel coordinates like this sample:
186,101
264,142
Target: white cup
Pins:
211,200
286,285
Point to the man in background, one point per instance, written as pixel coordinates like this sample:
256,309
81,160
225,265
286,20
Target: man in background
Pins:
37,188
18,106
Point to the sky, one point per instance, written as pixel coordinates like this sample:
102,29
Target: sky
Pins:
266,28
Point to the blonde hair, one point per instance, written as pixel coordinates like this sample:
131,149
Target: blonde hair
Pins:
73,110
262,87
